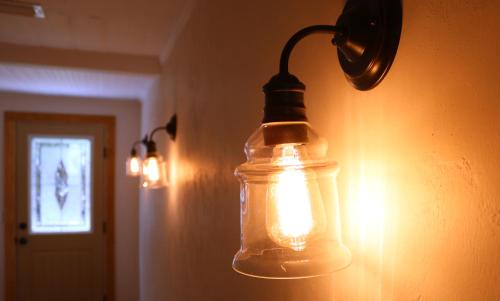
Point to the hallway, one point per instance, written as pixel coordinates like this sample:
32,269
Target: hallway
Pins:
418,197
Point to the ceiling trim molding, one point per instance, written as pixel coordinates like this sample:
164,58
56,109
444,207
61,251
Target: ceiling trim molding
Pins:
72,58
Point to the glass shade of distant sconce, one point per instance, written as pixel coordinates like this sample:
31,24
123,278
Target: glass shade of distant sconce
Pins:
134,164
290,220
134,160
154,168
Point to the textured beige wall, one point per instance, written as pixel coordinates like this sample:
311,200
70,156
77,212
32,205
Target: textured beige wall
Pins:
419,154
127,115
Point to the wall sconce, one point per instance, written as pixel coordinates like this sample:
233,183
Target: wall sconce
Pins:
154,171
134,160
153,168
290,225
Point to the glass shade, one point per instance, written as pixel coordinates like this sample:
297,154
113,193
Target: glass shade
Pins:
134,166
290,225
154,172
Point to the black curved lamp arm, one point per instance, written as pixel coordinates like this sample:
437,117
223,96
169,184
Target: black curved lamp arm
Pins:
156,130
143,141
135,143
284,92
170,128
287,50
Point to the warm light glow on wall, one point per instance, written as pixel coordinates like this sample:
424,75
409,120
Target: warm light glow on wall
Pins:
370,220
367,206
173,178
180,173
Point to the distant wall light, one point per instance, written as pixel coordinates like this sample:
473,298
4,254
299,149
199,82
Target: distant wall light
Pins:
153,170
290,225
134,160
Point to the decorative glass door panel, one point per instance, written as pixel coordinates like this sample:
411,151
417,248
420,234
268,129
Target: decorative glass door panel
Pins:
60,185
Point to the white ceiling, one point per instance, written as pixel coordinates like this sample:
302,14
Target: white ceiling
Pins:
74,82
127,28
121,26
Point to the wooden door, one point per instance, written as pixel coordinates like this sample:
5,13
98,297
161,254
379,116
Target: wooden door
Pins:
61,215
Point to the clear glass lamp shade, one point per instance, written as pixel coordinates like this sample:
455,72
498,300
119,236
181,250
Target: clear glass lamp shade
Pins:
154,172
290,223
134,166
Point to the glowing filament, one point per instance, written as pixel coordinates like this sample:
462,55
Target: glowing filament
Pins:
290,219
135,165
152,169
294,208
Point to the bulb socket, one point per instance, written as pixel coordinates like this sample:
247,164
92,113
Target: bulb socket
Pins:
133,152
284,102
150,149
286,133
284,99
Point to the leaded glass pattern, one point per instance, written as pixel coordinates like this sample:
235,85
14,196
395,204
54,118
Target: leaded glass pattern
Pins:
60,196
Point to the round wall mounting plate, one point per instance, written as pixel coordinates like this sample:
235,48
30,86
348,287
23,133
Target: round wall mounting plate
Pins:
369,40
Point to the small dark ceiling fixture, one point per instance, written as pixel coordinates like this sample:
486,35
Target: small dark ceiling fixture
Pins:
20,8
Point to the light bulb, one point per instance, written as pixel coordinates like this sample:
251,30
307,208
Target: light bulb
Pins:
153,172
134,166
295,214
152,169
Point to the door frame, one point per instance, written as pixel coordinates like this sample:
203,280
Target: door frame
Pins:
109,122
